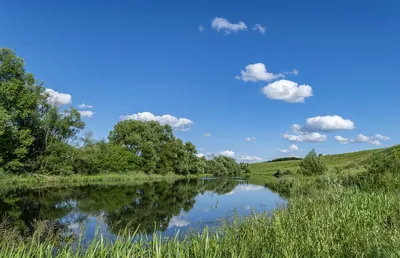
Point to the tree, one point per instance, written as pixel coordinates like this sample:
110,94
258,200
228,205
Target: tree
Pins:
312,164
28,123
156,148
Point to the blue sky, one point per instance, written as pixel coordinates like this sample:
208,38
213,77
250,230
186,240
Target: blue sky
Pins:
129,57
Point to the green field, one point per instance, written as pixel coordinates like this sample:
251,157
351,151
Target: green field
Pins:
353,161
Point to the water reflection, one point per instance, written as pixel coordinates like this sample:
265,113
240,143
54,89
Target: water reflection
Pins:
163,206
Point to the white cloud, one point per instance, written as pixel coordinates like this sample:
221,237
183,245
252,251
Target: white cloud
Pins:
200,155
201,28
328,123
375,142
343,140
83,105
227,153
176,221
288,91
294,147
249,158
381,137
250,139
368,139
207,135
257,72
57,98
294,72
306,137
86,113
223,24
361,138
179,124
296,128
260,28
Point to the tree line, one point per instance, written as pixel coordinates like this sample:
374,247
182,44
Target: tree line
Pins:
37,136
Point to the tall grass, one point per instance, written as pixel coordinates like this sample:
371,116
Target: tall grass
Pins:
335,222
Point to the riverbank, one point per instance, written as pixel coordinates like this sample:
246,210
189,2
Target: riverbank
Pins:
39,180
334,222
342,212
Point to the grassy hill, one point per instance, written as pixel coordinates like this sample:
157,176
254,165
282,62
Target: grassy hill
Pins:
353,161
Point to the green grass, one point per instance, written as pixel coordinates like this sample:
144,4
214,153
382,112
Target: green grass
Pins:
348,161
37,180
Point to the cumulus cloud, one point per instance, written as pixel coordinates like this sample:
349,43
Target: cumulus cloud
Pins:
296,128
201,28
257,72
83,105
292,148
361,138
288,91
222,24
207,135
179,124
328,123
250,139
306,137
249,158
343,140
57,99
260,28
86,113
227,153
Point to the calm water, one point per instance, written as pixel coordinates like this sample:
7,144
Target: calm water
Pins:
163,206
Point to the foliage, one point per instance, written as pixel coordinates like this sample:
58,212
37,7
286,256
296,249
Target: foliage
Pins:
312,164
37,136
386,161
29,125
285,159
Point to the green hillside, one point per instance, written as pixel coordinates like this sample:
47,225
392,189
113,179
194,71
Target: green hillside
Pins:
353,161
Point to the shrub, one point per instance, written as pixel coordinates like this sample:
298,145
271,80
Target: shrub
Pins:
312,164
387,161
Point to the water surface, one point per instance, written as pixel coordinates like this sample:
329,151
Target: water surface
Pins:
157,206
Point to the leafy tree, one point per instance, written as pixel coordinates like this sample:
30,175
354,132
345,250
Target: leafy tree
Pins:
28,123
312,164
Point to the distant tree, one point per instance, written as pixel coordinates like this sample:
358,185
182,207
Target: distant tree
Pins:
285,159
312,164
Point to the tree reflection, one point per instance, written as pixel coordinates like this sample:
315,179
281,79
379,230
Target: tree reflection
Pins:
147,207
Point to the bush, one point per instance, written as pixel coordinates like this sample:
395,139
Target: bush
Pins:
280,173
387,161
312,164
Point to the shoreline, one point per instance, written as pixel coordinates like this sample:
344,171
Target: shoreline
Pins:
39,180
